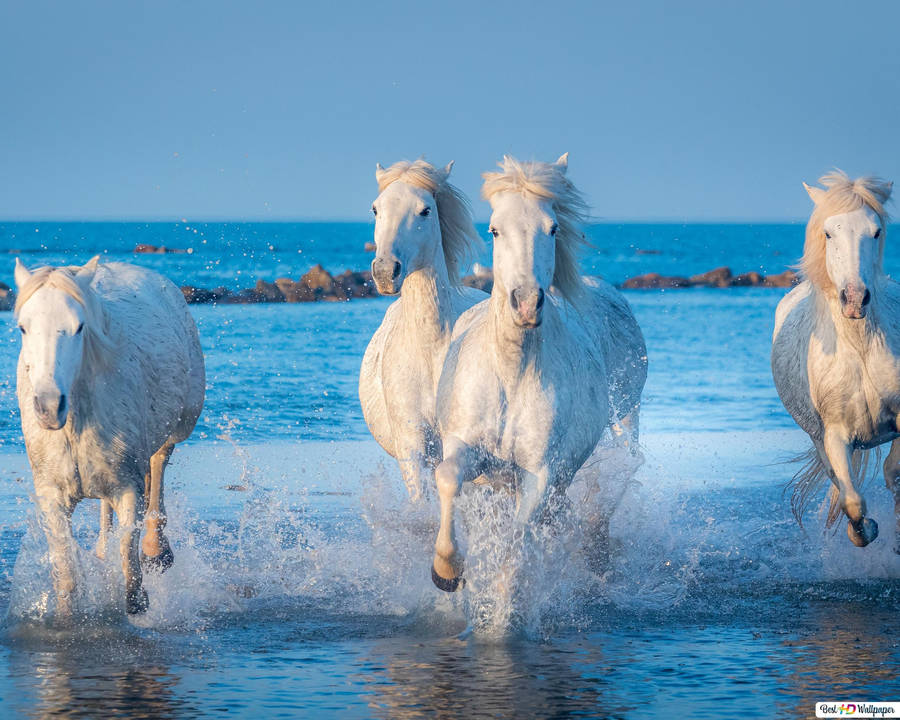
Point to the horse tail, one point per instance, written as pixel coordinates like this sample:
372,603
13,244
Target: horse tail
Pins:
813,473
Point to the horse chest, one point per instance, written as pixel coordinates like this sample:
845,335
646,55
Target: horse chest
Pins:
861,390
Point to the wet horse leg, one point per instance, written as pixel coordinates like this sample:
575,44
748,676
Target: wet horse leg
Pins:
106,516
56,514
892,480
129,507
157,551
861,529
460,465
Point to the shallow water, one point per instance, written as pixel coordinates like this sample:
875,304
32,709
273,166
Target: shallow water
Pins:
302,575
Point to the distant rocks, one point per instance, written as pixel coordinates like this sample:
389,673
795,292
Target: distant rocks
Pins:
316,285
144,249
369,247
721,277
7,297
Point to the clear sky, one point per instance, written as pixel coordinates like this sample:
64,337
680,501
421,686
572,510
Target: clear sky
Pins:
229,110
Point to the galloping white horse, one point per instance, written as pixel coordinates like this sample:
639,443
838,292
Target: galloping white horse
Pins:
423,232
836,349
534,376
110,377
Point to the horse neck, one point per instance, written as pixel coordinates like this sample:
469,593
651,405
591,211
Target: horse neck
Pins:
427,305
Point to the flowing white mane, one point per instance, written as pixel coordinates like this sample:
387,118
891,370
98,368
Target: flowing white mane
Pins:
98,346
841,195
548,182
459,238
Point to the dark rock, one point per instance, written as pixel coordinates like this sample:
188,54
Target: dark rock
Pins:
720,277
154,250
7,297
643,251
788,278
748,279
351,284
369,246
195,295
242,297
655,281
270,292
318,282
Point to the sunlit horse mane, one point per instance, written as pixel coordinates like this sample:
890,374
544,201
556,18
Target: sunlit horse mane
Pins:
459,238
548,181
98,346
841,195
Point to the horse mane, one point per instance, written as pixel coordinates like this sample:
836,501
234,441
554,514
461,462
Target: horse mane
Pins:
98,345
459,239
841,195
548,181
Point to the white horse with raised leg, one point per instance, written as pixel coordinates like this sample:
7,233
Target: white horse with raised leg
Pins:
423,233
538,373
836,349
110,378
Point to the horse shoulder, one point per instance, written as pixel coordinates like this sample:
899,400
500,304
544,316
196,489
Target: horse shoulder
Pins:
371,381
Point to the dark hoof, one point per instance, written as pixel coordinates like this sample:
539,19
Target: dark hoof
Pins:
451,585
159,563
137,603
863,532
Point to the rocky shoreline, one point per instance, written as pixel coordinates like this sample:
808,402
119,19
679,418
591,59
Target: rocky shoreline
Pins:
318,285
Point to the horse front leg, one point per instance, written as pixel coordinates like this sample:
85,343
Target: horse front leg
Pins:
892,480
56,514
106,516
460,464
129,506
860,529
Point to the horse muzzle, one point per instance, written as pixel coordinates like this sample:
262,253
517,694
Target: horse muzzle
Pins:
387,274
527,305
855,301
51,410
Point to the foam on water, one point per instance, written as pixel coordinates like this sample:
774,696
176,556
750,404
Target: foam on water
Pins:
334,541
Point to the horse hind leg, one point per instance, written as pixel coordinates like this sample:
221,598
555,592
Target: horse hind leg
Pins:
106,517
157,552
892,480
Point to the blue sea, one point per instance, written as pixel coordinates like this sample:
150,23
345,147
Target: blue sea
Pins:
301,583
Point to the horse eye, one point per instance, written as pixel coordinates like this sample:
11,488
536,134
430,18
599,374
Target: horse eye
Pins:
80,328
493,231
827,235
553,230
21,329
425,212
374,211
877,233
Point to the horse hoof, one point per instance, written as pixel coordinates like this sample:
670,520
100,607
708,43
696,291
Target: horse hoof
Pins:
159,563
137,603
863,532
451,585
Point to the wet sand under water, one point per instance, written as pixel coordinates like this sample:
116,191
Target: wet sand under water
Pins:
302,582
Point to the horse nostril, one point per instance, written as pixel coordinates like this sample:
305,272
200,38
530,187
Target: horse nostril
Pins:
396,270
843,297
540,300
62,405
866,298
513,300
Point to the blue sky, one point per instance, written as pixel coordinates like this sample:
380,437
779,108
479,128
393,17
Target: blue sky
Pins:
279,110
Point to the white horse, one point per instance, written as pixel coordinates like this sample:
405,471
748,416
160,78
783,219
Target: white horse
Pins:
110,377
836,349
423,232
534,377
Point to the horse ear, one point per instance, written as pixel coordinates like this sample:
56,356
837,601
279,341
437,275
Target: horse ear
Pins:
563,163
379,172
447,168
815,193
22,274
86,274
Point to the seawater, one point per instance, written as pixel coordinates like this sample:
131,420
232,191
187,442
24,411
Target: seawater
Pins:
301,579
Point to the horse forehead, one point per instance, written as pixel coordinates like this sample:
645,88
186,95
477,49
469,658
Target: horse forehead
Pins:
524,209
861,219
51,304
402,197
